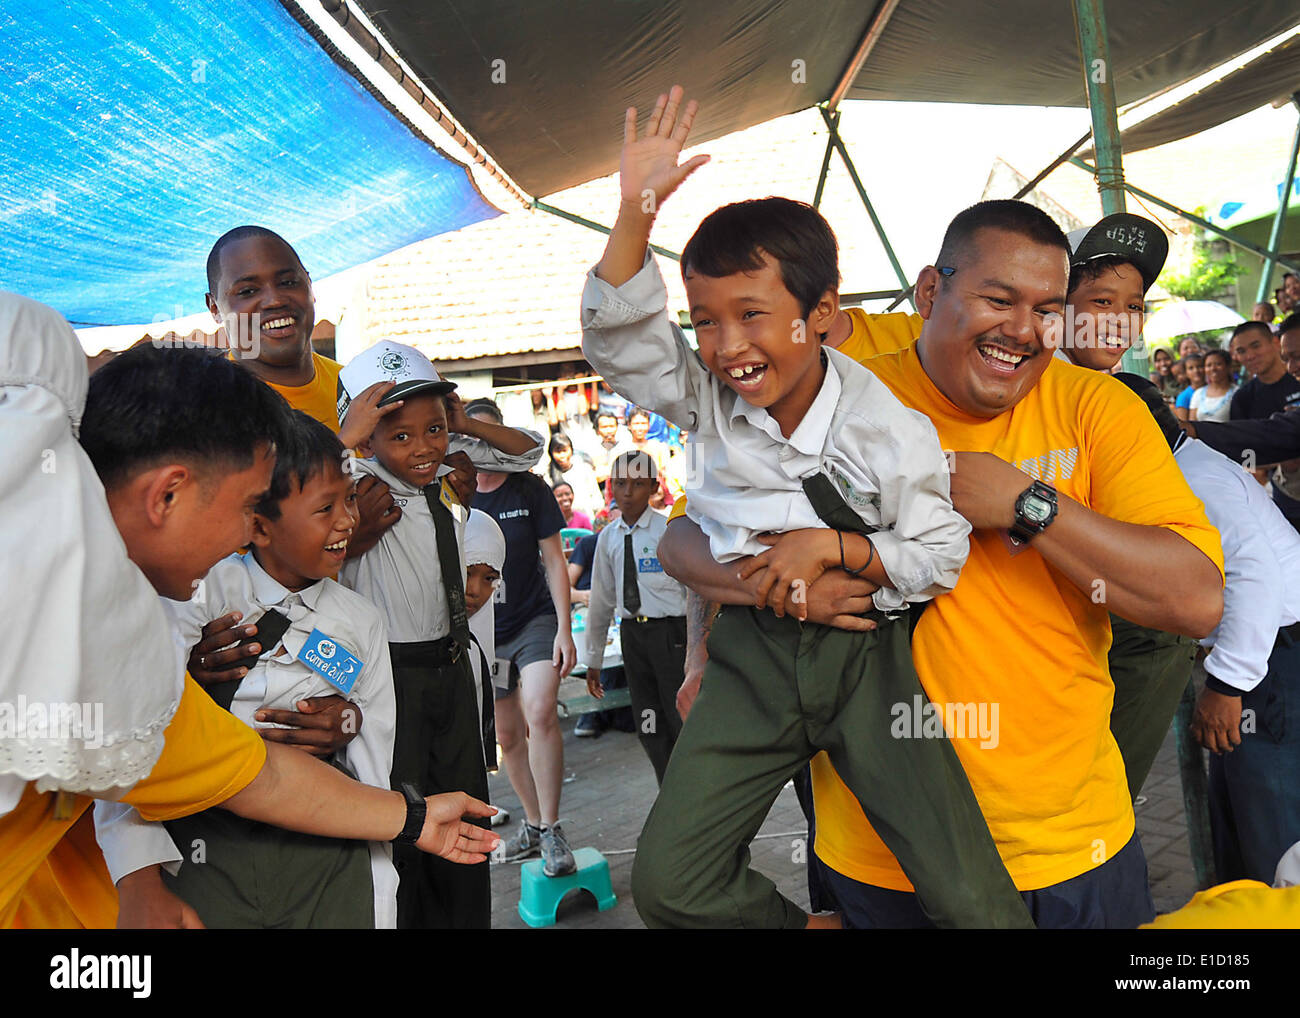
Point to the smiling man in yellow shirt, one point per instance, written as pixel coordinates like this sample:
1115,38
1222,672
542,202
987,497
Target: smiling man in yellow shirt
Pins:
1070,462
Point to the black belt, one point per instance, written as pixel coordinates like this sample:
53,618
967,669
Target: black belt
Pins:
426,652
629,620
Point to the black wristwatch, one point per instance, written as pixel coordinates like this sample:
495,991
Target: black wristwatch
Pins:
416,808
1035,510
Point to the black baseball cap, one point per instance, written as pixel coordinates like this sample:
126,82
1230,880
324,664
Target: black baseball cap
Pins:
1126,236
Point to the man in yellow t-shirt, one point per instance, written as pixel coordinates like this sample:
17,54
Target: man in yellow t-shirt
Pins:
254,271
1071,462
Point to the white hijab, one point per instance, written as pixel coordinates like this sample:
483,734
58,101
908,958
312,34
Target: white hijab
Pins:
484,542
88,678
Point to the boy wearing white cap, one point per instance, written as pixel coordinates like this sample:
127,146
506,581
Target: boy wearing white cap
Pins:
415,576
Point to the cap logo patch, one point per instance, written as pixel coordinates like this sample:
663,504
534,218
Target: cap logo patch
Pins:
393,363
1128,236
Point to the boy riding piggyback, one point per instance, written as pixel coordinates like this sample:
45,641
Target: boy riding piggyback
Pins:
805,463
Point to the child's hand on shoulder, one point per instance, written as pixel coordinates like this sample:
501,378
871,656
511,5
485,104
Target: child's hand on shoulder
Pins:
647,170
793,564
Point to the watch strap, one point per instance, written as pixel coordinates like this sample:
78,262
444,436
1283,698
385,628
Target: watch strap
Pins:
416,809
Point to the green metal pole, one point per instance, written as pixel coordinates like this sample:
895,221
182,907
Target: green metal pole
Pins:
593,225
1094,51
826,161
1205,224
1279,220
838,142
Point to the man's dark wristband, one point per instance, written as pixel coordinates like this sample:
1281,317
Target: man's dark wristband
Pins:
416,809
1221,687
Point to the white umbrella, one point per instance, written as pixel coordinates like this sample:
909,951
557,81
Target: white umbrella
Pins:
1187,317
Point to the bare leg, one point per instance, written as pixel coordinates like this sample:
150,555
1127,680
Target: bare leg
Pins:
512,734
539,684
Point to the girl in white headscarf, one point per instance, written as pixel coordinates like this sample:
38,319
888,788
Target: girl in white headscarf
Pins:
485,557
89,679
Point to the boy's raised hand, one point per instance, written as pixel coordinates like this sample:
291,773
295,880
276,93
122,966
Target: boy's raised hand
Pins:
647,173
647,170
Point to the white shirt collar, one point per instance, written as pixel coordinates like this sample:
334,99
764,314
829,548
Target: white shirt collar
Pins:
809,438
269,591
379,470
641,523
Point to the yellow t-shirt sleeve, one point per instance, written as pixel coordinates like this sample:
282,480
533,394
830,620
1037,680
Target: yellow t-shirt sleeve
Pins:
1135,477
319,397
208,756
1238,905
873,335
678,509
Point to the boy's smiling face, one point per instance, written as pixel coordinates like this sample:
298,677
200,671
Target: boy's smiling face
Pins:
1108,316
752,335
309,540
263,275
411,442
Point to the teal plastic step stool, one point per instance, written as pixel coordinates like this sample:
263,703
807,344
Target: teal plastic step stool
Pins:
539,895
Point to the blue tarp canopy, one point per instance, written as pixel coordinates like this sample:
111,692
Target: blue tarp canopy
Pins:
134,138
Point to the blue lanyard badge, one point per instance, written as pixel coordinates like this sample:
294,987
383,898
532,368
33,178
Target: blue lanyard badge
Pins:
330,661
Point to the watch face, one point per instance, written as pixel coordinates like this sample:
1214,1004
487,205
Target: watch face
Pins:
1037,509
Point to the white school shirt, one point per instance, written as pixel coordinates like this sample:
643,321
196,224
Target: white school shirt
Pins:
278,681
884,459
661,596
402,574
1261,563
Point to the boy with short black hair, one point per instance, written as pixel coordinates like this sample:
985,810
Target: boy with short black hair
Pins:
251,875
797,439
1113,265
628,579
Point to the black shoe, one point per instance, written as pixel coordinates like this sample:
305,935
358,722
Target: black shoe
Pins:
589,726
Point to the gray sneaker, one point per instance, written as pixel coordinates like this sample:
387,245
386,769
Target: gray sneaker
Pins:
557,859
524,845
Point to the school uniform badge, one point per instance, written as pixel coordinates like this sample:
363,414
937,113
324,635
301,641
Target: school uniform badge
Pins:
331,661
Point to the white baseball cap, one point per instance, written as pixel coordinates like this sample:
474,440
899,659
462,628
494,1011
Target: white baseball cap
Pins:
387,361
